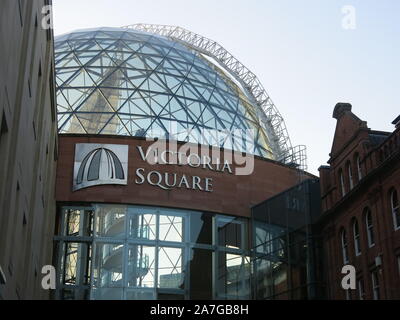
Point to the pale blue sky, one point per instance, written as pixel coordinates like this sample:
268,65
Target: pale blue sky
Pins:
298,49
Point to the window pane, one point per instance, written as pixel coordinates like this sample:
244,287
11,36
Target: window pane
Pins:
201,274
170,268
171,228
78,222
76,269
110,221
230,232
141,266
142,226
201,228
231,281
108,265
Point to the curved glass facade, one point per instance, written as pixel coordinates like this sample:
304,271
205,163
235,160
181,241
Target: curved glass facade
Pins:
126,82
131,252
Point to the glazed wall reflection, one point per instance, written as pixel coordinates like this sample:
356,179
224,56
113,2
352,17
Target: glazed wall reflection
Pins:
132,252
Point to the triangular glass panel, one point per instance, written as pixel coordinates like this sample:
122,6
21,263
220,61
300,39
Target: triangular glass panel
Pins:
121,46
62,46
182,132
104,34
62,103
59,56
166,124
96,103
133,45
191,93
80,79
69,62
62,117
98,74
180,91
163,50
172,82
72,125
152,62
137,77
122,130
85,56
105,43
102,60
116,97
81,35
156,85
76,96
206,93
180,115
85,45
119,57
207,115
135,62
156,109
160,99
146,49
137,105
216,99
63,75
220,125
222,85
168,67
112,126
128,124
184,67
95,122
156,130
175,55
117,79
143,123
209,75
195,75
196,109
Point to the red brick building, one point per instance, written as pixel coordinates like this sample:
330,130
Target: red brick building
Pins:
360,202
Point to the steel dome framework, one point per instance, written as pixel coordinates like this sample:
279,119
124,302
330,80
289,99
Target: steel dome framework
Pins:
248,79
144,78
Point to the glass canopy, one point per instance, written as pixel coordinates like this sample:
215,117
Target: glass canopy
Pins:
114,81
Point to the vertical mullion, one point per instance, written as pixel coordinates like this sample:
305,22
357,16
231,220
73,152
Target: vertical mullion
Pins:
157,244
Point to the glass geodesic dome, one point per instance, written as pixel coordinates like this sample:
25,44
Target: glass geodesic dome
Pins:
116,81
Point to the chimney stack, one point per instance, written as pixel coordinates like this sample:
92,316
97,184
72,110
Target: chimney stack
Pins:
396,122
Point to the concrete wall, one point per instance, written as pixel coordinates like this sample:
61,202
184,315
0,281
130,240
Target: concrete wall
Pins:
28,143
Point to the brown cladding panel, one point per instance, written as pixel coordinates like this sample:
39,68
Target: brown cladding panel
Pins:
231,194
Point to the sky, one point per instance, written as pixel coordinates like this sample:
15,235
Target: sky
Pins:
308,54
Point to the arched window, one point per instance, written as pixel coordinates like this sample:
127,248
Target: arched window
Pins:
394,201
343,238
370,227
356,237
341,178
359,171
350,174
